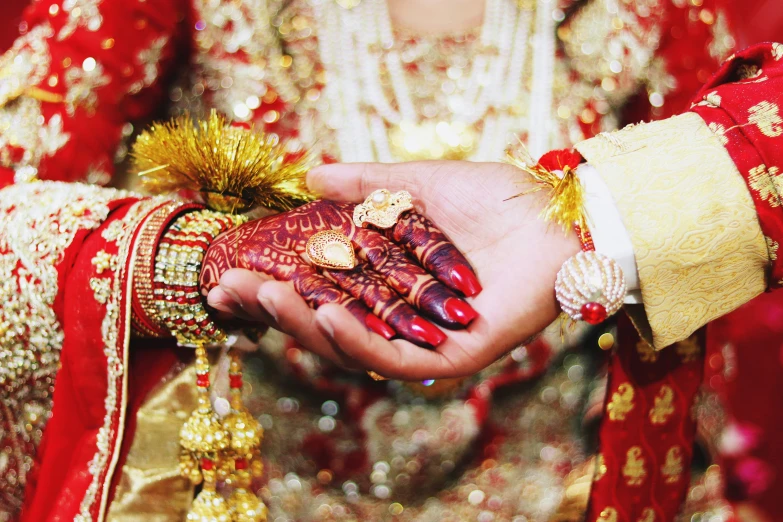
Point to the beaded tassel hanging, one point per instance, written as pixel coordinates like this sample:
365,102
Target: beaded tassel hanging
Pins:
244,452
203,440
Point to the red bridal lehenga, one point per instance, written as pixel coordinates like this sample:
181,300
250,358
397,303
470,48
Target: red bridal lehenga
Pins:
518,442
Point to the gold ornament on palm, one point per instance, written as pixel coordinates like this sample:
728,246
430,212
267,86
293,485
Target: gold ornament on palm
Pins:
234,168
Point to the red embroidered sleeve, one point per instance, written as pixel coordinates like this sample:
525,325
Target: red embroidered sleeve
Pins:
80,72
741,105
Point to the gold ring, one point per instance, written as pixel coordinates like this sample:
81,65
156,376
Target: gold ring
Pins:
330,249
382,208
376,376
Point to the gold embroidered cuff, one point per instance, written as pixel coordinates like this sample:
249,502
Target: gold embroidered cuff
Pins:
696,237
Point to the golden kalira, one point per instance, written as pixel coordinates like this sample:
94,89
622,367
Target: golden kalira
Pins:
234,168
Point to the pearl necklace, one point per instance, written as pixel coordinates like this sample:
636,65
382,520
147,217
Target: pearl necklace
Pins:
372,108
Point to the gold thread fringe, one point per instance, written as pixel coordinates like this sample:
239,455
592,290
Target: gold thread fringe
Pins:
234,168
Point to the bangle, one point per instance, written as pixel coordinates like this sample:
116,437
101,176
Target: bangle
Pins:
178,261
144,312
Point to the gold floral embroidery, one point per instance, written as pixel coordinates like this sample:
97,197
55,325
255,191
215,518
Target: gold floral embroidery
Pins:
38,222
608,514
81,13
766,116
673,466
633,470
25,64
104,261
663,407
648,515
81,84
772,247
723,41
712,99
767,183
621,403
116,356
101,288
777,51
600,468
688,349
720,131
149,59
647,353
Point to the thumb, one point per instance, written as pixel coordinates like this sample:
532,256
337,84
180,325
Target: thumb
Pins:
355,181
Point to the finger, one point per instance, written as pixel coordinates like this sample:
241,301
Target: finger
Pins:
370,288
412,282
396,359
227,308
419,236
242,286
294,317
354,181
317,290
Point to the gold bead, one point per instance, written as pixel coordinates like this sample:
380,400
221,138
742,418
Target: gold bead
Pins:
606,341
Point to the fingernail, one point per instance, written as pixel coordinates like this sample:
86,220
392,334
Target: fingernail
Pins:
268,305
459,311
379,326
326,325
427,332
465,280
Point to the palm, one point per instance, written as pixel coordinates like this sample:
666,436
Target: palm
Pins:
515,254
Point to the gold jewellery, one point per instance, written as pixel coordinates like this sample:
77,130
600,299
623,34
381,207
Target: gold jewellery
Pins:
382,208
177,267
331,250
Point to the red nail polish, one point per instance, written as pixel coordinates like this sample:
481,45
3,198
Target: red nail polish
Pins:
465,280
379,326
459,311
427,332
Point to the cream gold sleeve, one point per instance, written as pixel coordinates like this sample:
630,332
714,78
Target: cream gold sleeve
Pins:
699,248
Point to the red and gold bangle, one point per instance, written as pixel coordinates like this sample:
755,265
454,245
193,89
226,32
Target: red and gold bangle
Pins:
144,311
181,250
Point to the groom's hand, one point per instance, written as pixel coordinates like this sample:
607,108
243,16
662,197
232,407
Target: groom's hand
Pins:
515,254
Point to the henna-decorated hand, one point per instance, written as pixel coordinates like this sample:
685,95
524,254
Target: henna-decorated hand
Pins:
515,254
403,275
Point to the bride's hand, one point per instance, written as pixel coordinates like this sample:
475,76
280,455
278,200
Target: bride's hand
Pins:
515,254
401,277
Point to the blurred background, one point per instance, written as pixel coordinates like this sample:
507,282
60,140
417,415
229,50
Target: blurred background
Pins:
758,20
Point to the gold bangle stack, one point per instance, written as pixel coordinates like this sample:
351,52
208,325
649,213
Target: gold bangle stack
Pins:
178,301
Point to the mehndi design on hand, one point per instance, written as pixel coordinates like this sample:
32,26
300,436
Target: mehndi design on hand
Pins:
408,270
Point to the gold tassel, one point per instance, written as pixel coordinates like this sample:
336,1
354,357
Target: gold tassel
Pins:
244,451
567,195
203,439
235,169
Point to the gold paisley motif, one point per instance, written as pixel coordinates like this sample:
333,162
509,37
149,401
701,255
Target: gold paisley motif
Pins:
634,470
621,403
766,116
600,468
648,515
646,352
688,349
766,183
662,408
772,247
609,514
720,132
673,466
777,51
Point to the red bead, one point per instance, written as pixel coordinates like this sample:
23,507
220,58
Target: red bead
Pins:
240,464
202,380
593,313
182,300
236,380
207,464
